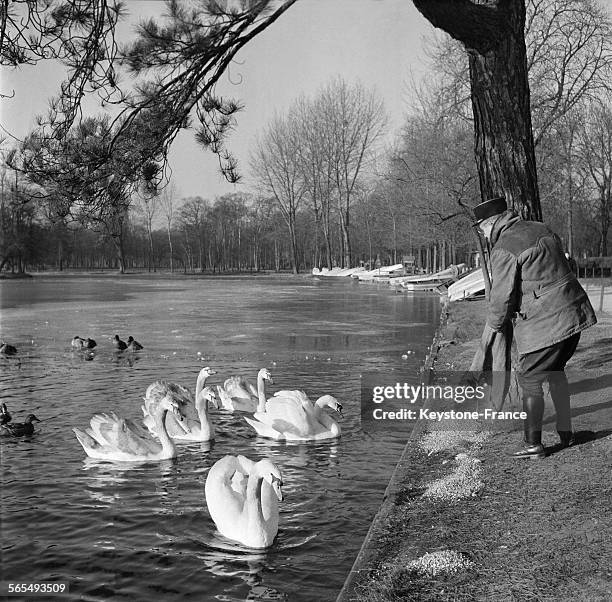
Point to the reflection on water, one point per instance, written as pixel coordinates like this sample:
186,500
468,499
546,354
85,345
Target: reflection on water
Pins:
142,531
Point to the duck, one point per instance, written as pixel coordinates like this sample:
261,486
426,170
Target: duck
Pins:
189,430
6,349
5,417
119,344
122,440
242,498
80,343
238,394
197,425
17,429
133,345
292,416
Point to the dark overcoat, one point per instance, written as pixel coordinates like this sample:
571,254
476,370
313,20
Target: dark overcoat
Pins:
533,285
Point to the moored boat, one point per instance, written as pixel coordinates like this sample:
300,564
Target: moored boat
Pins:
378,272
470,286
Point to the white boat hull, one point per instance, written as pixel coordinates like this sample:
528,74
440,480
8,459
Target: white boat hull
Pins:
467,287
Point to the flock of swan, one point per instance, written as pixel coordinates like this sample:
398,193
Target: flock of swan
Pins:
242,495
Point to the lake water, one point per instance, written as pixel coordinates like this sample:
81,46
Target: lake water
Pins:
143,532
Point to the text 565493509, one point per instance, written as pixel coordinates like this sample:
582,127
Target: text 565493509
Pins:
33,588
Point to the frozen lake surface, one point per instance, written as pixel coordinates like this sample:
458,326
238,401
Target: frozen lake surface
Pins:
143,532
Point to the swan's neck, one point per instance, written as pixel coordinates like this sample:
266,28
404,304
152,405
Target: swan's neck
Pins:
261,394
200,382
168,447
253,498
205,425
325,419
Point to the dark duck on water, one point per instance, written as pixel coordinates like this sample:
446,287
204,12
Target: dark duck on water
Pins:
18,429
6,349
80,343
133,345
119,344
5,417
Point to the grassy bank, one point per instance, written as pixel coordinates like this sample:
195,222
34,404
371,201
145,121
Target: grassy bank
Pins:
467,522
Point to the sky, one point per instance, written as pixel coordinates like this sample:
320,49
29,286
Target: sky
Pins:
376,42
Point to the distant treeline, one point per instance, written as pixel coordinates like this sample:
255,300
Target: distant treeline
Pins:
234,232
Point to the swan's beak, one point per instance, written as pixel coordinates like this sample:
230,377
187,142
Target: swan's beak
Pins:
339,409
177,412
277,489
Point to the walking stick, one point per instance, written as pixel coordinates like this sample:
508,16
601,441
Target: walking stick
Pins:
483,264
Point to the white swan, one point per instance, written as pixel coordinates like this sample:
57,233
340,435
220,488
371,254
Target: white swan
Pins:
200,429
114,438
245,510
185,400
239,394
291,416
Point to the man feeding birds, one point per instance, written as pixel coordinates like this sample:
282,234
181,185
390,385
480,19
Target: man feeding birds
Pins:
533,286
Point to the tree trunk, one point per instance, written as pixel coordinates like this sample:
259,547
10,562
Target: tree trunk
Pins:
492,32
170,246
294,248
328,246
604,217
276,256
151,251
118,241
60,254
346,239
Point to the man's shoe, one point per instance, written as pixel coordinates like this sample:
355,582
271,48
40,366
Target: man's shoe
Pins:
536,451
567,438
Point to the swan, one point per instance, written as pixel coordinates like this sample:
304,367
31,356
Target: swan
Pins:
80,343
133,345
118,439
17,429
239,394
196,426
189,429
291,416
119,344
244,510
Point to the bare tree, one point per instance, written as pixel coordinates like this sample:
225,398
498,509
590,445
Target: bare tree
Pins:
569,57
276,166
167,200
316,170
595,148
147,205
354,121
192,215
